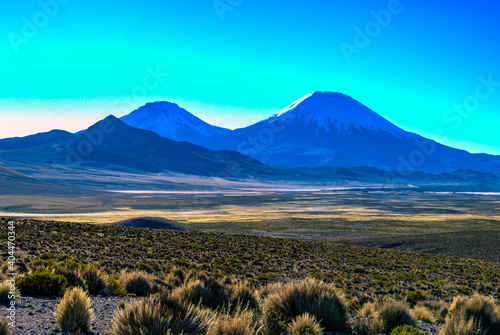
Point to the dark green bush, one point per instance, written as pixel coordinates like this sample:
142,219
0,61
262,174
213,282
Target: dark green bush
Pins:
42,283
47,255
406,330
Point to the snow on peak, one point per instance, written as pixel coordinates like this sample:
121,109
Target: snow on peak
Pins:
337,112
169,120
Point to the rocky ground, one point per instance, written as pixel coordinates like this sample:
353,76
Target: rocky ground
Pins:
34,315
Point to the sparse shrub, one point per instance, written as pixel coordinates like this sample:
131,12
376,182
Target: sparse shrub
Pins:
137,282
240,324
305,324
47,255
73,264
406,330
45,284
95,280
159,316
209,294
62,258
413,297
4,327
390,314
144,267
308,296
423,313
41,264
4,291
181,262
74,313
475,315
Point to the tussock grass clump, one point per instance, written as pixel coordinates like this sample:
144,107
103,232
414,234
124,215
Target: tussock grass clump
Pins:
240,324
159,315
312,296
74,312
175,277
208,293
305,324
95,280
243,297
364,322
137,282
114,287
73,278
475,315
4,291
421,312
390,313
44,284
268,289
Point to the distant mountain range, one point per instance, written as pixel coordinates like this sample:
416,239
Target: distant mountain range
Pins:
111,144
321,129
324,133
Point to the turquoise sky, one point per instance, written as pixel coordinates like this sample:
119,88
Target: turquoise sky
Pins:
429,67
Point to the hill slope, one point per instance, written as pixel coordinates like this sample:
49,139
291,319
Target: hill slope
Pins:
111,144
14,183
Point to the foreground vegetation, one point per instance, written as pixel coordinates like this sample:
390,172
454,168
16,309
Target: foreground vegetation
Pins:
227,284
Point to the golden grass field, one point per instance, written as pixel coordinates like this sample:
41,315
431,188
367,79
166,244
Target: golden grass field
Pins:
361,211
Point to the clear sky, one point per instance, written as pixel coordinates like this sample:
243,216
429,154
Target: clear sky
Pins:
431,67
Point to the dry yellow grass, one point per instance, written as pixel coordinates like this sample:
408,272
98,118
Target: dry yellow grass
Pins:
475,315
305,324
423,313
74,312
240,324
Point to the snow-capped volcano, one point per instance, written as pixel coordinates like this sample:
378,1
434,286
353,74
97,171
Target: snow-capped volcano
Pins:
334,130
171,121
330,111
